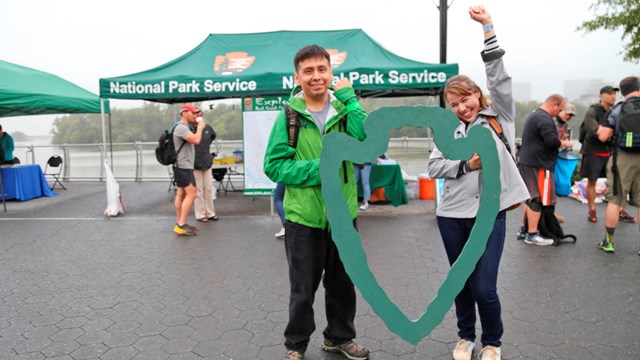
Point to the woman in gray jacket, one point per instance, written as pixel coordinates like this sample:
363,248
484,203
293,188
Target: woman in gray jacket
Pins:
458,208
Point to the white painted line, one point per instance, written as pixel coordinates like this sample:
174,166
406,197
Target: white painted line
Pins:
85,219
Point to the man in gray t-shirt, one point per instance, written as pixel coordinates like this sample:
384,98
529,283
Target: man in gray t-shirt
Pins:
184,141
186,155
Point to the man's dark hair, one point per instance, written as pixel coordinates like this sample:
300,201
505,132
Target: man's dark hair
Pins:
629,85
310,52
0,127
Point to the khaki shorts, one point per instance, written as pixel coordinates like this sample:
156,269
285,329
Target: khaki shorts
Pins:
629,180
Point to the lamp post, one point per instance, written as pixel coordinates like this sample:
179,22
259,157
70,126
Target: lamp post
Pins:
443,7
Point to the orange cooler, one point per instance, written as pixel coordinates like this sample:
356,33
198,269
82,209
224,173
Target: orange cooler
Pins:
427,188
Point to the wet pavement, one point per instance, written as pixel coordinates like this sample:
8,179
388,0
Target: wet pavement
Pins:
77,285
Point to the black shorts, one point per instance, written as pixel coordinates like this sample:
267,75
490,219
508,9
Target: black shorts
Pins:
184,177
593,167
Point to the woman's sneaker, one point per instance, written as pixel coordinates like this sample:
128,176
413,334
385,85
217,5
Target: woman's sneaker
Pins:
293,355
463,350
351,349
490,353
280,234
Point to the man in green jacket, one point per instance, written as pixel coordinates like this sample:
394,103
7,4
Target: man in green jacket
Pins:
308,244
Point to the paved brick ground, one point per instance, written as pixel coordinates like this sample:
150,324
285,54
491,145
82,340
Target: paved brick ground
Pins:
77,285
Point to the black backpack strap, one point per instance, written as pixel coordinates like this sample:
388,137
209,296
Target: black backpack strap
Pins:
180,148
293,125
497,128
342,126
614,148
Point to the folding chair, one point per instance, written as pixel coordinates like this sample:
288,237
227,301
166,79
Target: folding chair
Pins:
54,169
172,183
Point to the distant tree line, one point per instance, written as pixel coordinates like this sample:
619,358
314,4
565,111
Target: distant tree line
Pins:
141,124
148,122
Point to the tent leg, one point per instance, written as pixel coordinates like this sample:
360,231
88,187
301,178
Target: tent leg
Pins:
4,203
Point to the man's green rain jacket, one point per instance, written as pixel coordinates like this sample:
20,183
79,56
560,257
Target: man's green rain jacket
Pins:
299,168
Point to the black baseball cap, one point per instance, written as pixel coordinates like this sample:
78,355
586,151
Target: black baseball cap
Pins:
608,89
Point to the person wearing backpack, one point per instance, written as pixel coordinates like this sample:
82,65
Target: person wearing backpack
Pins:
294,161
184,139
595,153
538,157
622,125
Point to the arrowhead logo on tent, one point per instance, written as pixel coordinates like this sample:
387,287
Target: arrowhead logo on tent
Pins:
337,57
233,62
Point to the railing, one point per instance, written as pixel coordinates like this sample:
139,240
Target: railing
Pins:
136,161
129,161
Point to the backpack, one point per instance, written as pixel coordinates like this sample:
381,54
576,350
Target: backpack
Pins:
166,153
627,134
582,134
601,115
549,226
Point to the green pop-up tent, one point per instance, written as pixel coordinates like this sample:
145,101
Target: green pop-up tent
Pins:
261,64
26,91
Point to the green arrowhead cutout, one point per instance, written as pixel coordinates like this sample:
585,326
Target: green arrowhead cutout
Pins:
338,147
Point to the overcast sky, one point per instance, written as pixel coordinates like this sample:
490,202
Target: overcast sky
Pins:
83,41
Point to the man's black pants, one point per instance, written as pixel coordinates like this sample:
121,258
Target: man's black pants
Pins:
310,252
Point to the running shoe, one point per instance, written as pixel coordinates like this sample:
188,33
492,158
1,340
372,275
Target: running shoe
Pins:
536,239
293,355
490,353
463,350
184,230
625,217
351,349
606,246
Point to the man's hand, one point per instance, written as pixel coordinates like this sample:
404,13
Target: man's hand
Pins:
604,133
480,14
342,83
566,144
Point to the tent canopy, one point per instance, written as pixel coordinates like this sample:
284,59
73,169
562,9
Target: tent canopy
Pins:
261,64
26,91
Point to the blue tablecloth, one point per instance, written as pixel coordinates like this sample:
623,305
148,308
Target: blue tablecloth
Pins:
24,182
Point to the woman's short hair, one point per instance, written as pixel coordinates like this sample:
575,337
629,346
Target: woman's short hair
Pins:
462,85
